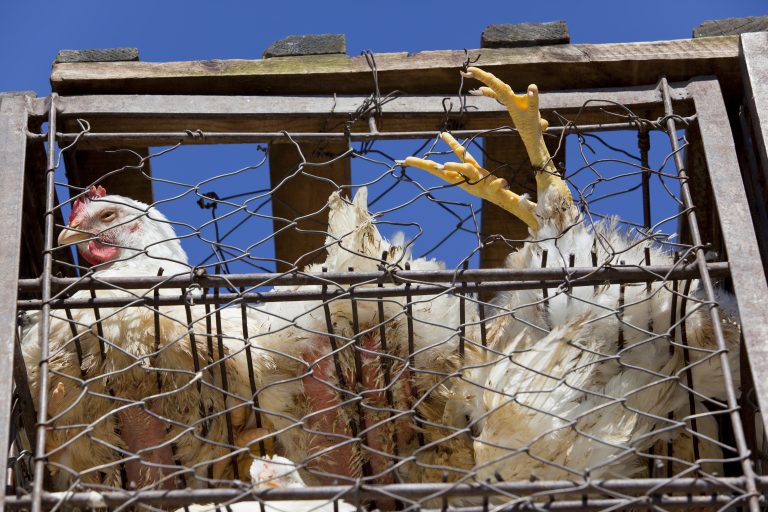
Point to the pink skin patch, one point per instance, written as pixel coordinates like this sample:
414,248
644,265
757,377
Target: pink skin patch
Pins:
372,381
142,431
98,253
317,387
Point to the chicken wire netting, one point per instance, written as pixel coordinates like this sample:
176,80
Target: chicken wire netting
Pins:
188,347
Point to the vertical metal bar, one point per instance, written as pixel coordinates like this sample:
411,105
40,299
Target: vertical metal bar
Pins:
332,341
222,362
411,356
45,314
644,144
688,369
386,363
463,314
251,377
357,380
736,224
483,327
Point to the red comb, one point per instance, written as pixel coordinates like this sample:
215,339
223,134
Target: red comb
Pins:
80,202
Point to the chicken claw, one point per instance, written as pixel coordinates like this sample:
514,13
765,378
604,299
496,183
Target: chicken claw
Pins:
472,178
524,111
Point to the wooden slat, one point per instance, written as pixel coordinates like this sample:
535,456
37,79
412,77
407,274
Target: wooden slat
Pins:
754,62
551,67
176,114
701,193
747,275
299,201
13,149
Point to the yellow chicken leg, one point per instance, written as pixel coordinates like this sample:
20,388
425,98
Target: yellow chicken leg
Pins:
470,176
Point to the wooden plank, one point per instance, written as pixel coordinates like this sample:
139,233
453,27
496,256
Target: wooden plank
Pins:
163,106
731,26
747,275
551,67
754,65
516,35
299,200
98,55
13,150
701,194
310,44
270,114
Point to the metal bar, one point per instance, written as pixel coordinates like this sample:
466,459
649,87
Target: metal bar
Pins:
13,149
629,487
735,220
207,137
714,502
590,275
45,318
302,295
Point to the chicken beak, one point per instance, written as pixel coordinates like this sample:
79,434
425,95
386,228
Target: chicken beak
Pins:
71,236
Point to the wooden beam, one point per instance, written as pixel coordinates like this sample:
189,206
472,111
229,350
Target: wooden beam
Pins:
731,26
506,156
13,150
174,115
128,172
754,65
299,198
551,67
749,281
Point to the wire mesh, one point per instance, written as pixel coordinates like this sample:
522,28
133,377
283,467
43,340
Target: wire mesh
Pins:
198,349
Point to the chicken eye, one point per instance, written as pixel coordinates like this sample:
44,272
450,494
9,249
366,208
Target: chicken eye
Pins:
108,216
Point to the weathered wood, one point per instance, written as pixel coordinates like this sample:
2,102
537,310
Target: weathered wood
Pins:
736,225
436,72
754,129
299,198
13,149
121,172
754,65
518,35
701,192
312,44
297,114
731,26
98,55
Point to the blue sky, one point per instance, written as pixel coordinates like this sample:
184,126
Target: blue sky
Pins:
32,34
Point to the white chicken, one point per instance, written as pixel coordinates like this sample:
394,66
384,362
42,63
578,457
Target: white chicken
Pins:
129,405
363,407
579,382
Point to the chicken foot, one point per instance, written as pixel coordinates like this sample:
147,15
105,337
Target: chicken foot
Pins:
471,177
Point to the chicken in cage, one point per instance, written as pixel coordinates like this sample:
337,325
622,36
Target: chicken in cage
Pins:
377,367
